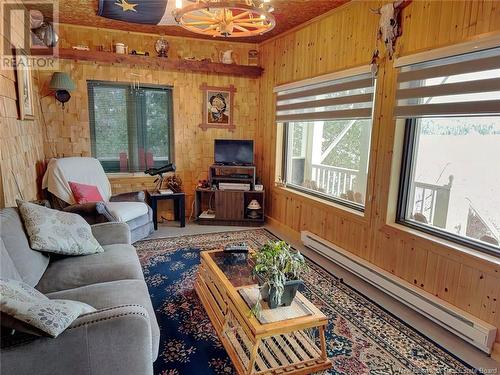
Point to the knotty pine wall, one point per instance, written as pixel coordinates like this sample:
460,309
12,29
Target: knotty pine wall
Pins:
21,142
68,131
342,39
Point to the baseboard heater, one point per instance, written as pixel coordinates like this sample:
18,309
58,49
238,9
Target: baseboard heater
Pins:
461,323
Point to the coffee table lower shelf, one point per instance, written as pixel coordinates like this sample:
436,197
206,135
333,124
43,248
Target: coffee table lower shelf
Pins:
294,352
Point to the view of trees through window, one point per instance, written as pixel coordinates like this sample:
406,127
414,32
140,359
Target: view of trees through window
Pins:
110,109
347,152
131,127
330,157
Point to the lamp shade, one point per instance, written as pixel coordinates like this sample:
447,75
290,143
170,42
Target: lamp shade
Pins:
254,205
61,81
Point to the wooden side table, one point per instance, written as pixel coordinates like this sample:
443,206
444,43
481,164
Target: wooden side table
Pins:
179,206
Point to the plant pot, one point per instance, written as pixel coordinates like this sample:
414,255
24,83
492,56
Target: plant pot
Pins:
268,293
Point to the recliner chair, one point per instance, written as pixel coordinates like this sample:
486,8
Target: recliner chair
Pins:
129,208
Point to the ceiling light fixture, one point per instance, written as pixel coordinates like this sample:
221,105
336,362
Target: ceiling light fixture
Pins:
219,18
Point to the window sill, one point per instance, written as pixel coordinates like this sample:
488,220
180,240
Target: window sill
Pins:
127,174
461,249
344,210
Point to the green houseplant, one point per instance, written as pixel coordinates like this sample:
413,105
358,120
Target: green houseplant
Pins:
278,268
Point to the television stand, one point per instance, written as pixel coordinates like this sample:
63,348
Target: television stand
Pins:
230,206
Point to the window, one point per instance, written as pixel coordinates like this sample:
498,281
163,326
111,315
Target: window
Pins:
450,184
327,138
131,128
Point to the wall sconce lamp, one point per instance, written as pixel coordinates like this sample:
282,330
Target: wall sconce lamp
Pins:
62,83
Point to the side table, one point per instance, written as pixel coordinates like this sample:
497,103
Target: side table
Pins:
179,206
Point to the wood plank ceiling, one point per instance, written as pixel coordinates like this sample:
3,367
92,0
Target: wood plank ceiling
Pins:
288,13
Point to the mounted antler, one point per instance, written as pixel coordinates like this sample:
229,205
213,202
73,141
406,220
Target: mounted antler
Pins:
388,29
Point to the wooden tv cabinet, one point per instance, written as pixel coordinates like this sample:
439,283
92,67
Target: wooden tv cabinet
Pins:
229,207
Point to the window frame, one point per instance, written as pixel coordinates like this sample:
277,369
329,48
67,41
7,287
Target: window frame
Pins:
328,198
411,127
114,165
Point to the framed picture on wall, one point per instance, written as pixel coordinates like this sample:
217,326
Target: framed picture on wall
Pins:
218,105
24,86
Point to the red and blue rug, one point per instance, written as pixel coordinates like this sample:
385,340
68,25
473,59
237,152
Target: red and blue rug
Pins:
362,338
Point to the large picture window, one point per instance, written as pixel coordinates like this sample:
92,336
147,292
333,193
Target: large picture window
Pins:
327,131
450,184
131,127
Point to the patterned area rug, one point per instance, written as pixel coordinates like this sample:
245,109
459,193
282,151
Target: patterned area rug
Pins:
362,338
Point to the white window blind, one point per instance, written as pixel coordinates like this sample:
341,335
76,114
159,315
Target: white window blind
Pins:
344,98
464,85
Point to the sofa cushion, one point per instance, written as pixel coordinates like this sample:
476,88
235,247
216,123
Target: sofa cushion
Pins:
56,231
33,312
8,269
117,262
116,293
141,220
29,264
126,211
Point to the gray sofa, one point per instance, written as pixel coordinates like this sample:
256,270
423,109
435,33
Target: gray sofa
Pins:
121,337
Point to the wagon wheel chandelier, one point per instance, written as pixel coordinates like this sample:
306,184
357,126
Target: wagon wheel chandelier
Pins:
219,18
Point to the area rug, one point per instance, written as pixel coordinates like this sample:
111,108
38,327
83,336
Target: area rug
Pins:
362,338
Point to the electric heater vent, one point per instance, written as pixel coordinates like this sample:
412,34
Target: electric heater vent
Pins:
461,323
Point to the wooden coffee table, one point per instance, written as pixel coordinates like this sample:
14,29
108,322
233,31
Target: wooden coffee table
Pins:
292,346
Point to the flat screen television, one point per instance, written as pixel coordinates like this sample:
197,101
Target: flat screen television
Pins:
233,152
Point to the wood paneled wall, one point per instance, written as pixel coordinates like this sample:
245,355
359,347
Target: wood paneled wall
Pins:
21,142
343,39
68,131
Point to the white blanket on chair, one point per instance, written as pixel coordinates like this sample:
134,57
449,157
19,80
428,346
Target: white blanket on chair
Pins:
75,169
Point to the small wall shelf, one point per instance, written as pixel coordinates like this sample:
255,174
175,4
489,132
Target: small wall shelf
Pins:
161,63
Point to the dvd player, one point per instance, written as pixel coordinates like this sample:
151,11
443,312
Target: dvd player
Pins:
234,186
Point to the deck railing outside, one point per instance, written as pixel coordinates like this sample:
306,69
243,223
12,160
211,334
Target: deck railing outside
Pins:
427,200
431,201
334,181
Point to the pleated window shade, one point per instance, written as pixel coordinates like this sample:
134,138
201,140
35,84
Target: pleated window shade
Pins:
339,99
464,85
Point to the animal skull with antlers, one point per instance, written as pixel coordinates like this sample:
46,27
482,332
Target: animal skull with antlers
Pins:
388,27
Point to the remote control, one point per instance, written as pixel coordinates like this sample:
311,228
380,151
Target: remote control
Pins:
241,247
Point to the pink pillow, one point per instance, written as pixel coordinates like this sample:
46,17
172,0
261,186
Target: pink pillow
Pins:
85,193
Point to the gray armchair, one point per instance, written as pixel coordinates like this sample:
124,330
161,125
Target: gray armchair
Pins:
130,208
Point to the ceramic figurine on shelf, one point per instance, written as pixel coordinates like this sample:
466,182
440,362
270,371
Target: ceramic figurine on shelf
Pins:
121,49
139,53
227,57
162,47
81,47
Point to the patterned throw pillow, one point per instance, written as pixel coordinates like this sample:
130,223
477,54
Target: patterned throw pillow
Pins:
26,305
56,231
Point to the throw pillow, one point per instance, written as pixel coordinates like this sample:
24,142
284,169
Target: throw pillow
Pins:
57,232
32,312
85,193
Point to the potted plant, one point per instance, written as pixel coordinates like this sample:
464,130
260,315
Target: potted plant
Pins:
278,268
